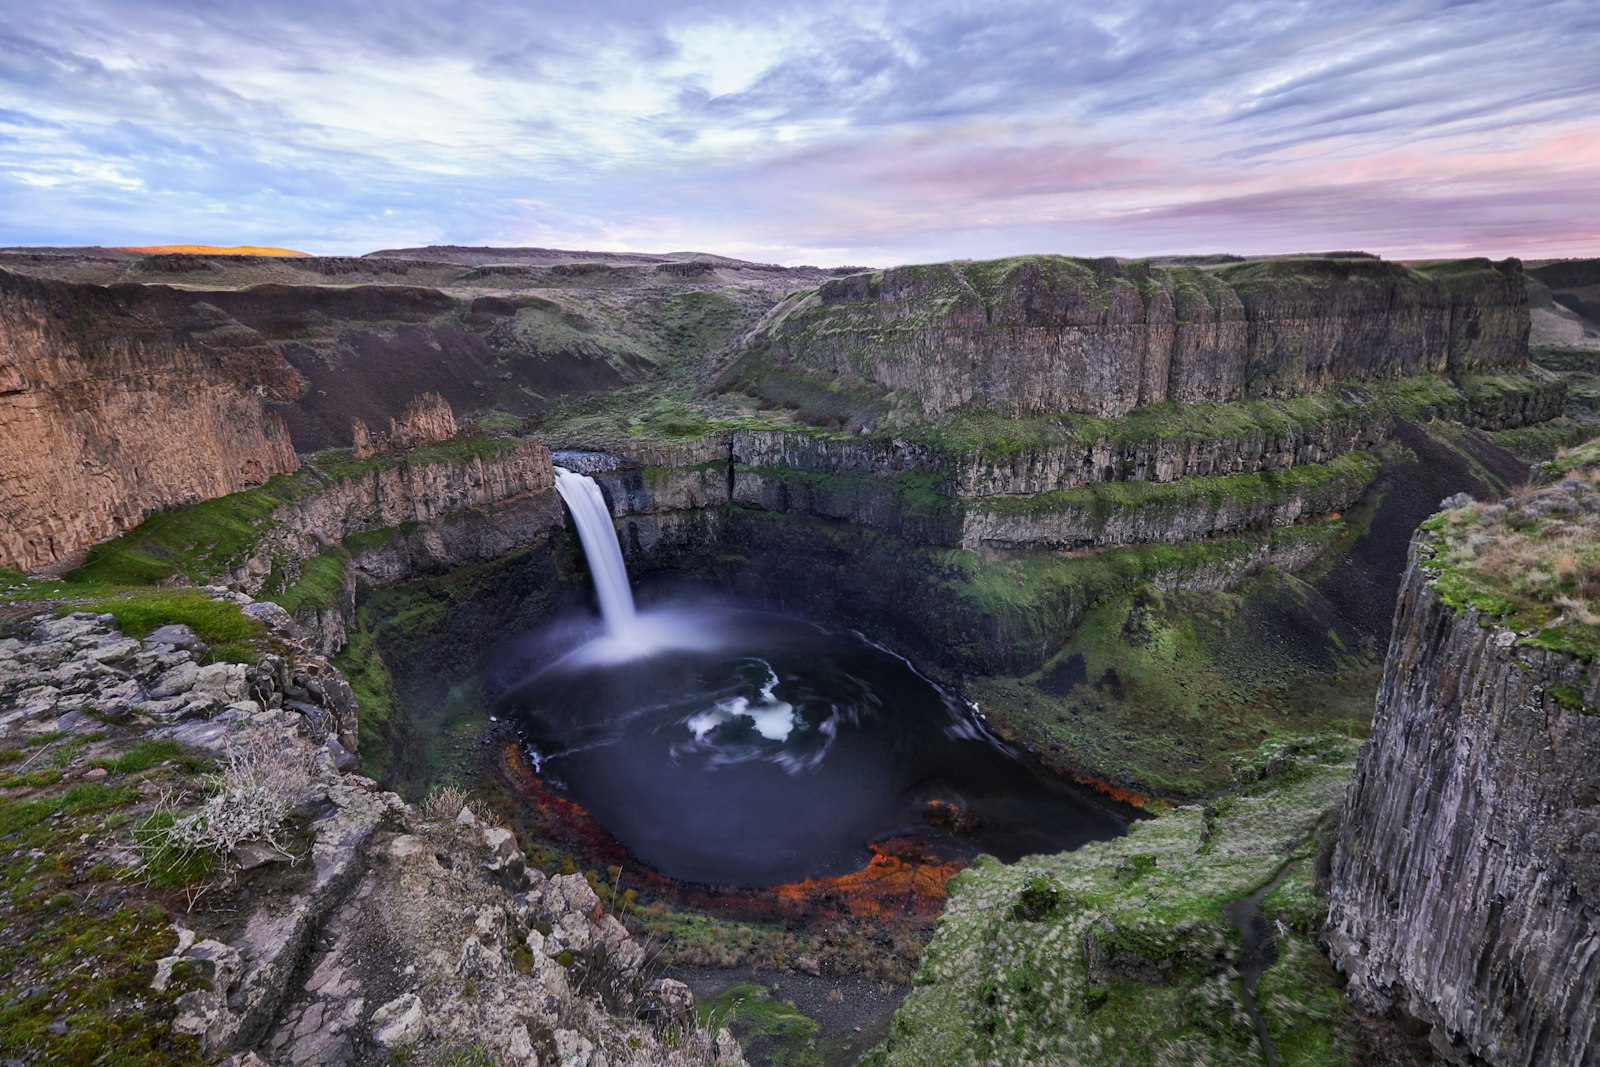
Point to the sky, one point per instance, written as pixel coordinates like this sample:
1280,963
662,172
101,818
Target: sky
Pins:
829,133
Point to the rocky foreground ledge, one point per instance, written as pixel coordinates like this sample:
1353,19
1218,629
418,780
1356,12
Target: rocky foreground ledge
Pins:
341,926
1466,884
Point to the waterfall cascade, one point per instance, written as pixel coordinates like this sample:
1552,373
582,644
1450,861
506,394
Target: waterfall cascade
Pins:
600,545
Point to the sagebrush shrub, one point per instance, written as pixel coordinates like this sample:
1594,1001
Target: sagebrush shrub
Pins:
261,782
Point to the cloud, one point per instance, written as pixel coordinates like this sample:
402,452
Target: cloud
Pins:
848,132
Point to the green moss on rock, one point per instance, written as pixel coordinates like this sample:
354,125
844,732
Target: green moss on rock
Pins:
1133,970
1530,562
1343,476
230,633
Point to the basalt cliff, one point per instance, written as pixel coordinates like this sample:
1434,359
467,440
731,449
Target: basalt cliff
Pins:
107,416
1465,889
1047,334
1341,387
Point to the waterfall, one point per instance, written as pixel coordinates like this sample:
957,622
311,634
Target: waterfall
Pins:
599,539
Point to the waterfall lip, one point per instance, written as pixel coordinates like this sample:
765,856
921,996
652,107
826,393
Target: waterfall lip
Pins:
586,462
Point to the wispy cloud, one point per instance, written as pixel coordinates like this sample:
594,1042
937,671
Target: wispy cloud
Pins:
822,131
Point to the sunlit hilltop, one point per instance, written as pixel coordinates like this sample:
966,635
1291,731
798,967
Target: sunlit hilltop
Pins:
215,250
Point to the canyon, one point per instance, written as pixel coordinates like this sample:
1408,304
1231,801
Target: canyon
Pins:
1151,518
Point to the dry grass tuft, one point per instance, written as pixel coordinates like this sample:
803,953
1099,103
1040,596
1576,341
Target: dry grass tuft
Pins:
444,803
1532,560
262,781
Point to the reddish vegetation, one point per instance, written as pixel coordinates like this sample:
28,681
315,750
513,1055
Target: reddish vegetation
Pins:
950,816
554,811
1126,796
902,883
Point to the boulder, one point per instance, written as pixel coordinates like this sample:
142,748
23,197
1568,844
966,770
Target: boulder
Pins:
666,1002
173,636
399,1021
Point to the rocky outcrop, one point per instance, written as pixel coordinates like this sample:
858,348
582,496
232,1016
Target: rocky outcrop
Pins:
105,419
78,673
1466,882
1046,334
480,952
427,420
385,931
1117,953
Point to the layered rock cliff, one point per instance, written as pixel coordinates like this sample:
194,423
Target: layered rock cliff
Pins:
417,515
105,418
1046,334
343,522
1162,473
420,487
1466,882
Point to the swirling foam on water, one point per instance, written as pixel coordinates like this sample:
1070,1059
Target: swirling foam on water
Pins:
772,718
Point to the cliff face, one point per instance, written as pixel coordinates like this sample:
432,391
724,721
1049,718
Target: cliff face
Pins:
1045,334
1164,474
488,330
417,492
104,419
1466,882
400,521
1188,510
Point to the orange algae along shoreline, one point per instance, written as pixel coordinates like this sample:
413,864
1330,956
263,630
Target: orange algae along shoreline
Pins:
901,883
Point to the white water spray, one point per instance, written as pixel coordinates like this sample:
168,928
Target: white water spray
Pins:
600,545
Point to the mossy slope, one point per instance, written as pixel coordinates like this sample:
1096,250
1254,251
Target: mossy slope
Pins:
83,930
1119,953
200,542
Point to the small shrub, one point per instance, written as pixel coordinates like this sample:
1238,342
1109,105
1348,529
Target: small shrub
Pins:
168,864
444,802
1039,899
250,799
